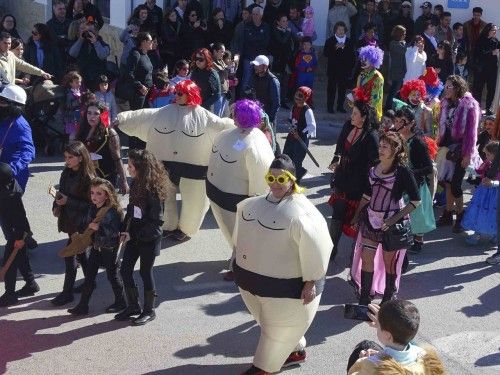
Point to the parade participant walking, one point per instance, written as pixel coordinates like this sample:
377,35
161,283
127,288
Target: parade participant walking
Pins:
303,127
281,251
419,160
144,218
240,158
103,143
181,135
381,207
70,207
414,93
104,249
371,81
458,123
356,151
15,227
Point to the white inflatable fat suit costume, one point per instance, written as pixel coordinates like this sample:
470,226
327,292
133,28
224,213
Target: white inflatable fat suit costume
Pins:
182,137
239,161
278,246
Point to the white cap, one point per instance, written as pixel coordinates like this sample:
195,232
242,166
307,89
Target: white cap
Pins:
260,60
13,93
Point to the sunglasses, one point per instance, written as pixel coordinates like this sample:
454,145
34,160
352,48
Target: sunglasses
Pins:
282,179
200,59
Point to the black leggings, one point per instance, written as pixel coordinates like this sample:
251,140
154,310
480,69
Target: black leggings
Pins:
71,267
457,180
147,255
339,210
107,259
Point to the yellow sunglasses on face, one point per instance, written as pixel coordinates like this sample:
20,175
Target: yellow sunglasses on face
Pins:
282,179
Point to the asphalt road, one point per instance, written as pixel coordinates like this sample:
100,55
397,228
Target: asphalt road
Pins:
202,326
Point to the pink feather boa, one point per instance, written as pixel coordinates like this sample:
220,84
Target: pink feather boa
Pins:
465,123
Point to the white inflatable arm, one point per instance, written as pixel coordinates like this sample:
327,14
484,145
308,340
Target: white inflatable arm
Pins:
137,123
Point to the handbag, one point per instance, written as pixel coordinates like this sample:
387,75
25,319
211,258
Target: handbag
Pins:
454,153
398,236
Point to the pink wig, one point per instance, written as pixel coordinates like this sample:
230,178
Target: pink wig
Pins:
372,55
191,89
247,114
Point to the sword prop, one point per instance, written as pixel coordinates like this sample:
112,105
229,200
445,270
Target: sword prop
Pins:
304,146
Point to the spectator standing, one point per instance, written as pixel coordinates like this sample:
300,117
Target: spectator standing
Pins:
193,34
206,78
256,38
295,25
430,42
231,9
17,48
74,10
370,15
238,34
180,9
141,13
416,59
443,30
218,51
341,11
169,38
486,56
397,71
421,22
274,8
42,52
127,37
59,26
220,30
388,17
105,96
461,42
90,52
442,61
405,19
9,24
181,73
140,70
473,28
155,15
198,8
90,10
281,48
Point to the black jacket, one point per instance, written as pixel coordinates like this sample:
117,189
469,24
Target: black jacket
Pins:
12,213
351,176
429,49
108,234
51,60
281,48
484,60
209,83
420,160
140,69
74,212
218,35
191,39
340,60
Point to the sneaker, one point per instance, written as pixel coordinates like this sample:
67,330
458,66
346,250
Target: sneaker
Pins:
28,290
255,371
416,248
295,358
472,240
494,259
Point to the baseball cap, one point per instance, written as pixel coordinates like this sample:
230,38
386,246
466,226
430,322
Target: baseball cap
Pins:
406,3
260,60
426,5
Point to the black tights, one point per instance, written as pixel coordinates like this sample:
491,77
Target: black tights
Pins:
21,263
107,259
146,253
71,267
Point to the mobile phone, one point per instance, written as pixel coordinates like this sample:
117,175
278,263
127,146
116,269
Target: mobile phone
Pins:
356,312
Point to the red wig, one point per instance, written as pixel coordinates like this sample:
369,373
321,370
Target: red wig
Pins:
413,85
192,90
430,77
307,92
360,95
207,56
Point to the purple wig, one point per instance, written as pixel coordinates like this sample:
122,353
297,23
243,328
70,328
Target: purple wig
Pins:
247,114
372,55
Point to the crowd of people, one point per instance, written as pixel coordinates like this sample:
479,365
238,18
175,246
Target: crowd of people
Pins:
204,88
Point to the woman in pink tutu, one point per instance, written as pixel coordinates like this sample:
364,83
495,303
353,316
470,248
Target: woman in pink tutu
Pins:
376,270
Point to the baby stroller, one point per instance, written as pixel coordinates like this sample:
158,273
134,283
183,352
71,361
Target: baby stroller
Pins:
44,99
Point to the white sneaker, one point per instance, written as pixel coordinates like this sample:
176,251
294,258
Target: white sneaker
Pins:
494,259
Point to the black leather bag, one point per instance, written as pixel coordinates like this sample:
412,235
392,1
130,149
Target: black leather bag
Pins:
398,236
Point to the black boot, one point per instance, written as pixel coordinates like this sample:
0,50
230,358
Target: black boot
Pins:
133,308
119,303
83,306
29,289
63,298
390,288
148,313
366,287
8,299
335,234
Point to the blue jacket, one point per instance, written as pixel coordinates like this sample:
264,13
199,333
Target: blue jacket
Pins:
17,149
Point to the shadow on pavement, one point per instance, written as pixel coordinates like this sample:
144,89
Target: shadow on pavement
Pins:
490,303
202,369
489,360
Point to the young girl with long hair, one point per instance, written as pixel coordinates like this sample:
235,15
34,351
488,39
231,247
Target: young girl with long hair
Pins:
382,205
143,222
105,243
71,205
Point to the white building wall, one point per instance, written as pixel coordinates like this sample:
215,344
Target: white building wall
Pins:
491,10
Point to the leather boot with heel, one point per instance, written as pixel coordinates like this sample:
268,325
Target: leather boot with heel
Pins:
133,307
390,288
335,234
119,303
366,287
148,313
83,306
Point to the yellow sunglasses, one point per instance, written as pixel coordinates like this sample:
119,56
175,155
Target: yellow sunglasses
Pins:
282,179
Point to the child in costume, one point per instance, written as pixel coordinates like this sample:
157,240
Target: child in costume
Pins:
72,83
281,251
480,215
383,205
16,228
181,135
239,159
434,87
142,232
105,243
303,127
308,29
370,80
306,63
71,206
161,93
397,324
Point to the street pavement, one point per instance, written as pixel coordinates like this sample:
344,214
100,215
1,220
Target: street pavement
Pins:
202,326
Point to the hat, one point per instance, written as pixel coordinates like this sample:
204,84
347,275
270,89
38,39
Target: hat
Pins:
13,93
426,5
260,60
406,3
